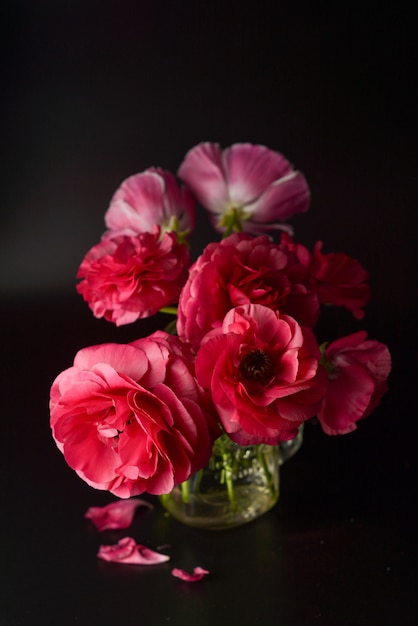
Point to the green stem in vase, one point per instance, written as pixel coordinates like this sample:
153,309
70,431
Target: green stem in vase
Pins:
262,460
185,491
226,458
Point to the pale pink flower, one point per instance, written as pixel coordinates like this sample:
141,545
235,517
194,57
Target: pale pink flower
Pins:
245,187
128,552
358,369
130,418
242,269
198,574
125,278
115,515
262,370
149,198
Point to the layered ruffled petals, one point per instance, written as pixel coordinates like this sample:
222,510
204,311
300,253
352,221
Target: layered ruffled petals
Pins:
340,279
242,269
130,419
262,370
125,278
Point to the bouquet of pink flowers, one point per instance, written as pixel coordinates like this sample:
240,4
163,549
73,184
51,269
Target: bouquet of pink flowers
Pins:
241,357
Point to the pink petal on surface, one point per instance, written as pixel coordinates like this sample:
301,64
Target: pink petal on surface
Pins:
115,515
198,574
129,552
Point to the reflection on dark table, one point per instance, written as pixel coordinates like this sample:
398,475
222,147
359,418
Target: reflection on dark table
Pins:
338,549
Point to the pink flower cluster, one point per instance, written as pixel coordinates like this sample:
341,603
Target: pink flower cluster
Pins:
245,361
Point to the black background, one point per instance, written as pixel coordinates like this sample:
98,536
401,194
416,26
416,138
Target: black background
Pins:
95,91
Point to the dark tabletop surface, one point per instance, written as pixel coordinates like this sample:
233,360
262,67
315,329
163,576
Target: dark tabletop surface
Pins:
95,91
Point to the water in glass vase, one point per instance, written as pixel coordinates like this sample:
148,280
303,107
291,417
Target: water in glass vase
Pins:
238,485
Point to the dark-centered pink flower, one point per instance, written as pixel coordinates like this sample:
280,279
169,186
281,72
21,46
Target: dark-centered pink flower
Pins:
245,187
358,369
131,418
262,370
242,269
125,278
149,198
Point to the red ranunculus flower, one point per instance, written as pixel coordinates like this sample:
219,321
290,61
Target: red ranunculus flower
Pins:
124,278
242,269
132,418
262,370
340,280
358,369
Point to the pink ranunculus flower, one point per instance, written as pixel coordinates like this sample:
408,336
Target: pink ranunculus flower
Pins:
131,418
242,269
125,278
181,371
149,198
341,280
358,369
245,187
262,370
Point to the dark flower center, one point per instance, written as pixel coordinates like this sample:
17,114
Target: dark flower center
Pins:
257,366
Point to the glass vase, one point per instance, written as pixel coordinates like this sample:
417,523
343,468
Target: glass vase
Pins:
238,484
287,449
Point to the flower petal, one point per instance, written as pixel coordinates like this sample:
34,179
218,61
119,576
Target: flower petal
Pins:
128,277
129,552
202,170
118,514
198,574
137,204
282,199
250,169
358,369
125,359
